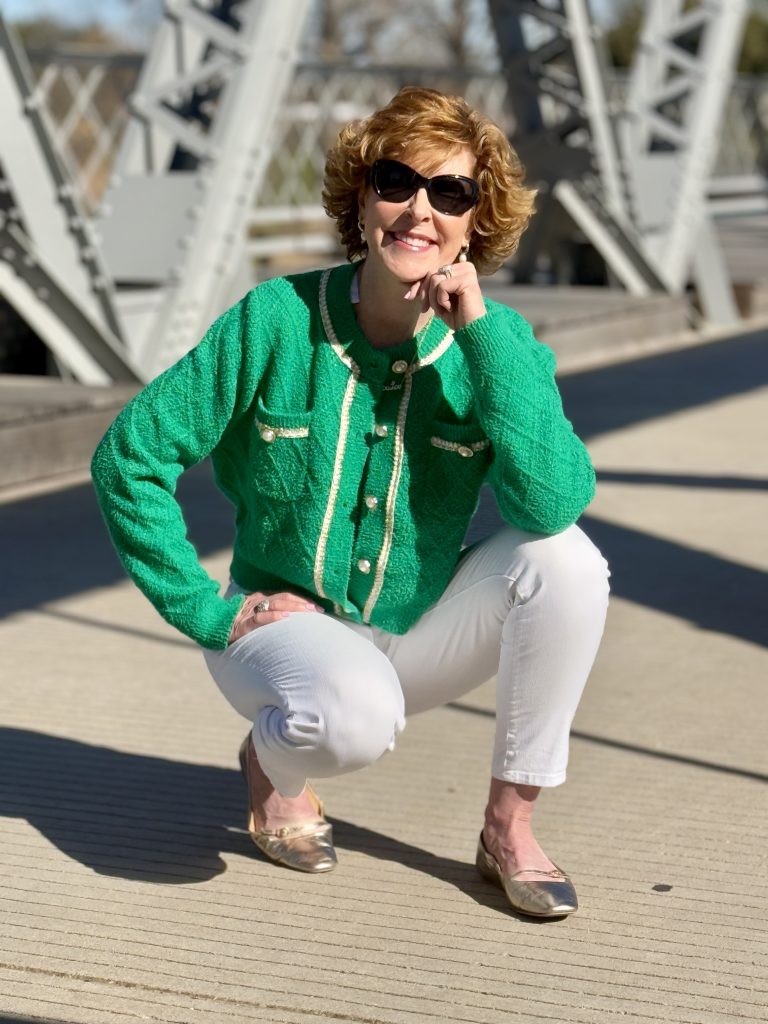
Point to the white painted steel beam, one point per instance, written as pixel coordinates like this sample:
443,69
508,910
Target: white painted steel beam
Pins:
53,266
43,198
194,159
679,84
606,244
571,145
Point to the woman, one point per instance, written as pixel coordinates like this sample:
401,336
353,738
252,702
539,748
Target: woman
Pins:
352,416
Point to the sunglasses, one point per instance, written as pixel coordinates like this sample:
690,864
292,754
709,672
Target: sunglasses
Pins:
452,194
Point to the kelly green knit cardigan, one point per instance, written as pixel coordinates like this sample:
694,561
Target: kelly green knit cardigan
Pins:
353,471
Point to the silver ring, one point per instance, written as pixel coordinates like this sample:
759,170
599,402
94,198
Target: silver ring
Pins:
446,271
262,606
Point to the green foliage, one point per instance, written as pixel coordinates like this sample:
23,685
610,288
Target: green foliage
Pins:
623,34
622,38
754,52
47,33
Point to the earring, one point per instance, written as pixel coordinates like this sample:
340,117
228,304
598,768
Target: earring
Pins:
361,229
463,253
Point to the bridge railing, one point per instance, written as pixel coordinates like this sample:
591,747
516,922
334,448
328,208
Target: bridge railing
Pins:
86,96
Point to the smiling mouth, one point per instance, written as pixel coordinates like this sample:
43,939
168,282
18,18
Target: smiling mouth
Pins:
415,243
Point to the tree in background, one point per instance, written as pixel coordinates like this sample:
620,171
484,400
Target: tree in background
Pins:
628,22
447,33
47,34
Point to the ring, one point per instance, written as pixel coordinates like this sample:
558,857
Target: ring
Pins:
445,271
262,606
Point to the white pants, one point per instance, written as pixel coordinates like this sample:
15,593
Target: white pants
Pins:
327,696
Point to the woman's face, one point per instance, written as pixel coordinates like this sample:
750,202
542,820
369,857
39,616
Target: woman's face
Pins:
410,239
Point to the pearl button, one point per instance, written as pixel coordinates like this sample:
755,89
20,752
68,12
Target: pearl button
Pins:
381,430
364,565
400,366
371,501
466,452
267,435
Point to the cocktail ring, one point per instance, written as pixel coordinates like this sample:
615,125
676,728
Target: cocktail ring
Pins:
445,271
263,605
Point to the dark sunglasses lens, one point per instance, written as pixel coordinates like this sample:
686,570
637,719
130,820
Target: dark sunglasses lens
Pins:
393,180
453,196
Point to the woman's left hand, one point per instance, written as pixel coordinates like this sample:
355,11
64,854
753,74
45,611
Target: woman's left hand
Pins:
455,297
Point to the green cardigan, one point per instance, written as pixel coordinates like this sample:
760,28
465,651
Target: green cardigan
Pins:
354,471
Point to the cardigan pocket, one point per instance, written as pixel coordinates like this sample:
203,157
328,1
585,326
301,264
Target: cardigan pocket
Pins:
461,454
279,452
465,440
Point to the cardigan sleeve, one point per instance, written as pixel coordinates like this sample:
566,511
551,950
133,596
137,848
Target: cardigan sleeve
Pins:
541,472
175,422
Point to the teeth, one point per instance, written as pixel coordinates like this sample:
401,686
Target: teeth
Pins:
414,241
417,243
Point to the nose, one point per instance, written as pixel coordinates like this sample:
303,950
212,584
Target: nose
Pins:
419,205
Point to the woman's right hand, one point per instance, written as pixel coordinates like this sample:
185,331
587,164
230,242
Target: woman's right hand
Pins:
280,607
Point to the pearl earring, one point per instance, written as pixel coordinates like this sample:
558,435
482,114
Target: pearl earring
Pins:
361,229
463,253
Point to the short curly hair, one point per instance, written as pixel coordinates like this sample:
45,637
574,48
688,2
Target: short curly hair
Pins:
432,124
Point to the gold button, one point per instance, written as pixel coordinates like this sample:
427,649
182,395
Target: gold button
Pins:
466,452
400,366
267,435
364,565
372,501
381,429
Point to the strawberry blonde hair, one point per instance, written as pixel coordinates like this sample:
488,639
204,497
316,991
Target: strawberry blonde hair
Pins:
428,124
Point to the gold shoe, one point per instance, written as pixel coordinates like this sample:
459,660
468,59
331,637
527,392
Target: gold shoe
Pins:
305,846
553,897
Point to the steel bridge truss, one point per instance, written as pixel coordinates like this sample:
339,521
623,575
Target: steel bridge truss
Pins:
123,296
635,179
51,269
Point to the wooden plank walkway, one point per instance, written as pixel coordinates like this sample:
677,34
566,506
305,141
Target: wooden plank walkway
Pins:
130,891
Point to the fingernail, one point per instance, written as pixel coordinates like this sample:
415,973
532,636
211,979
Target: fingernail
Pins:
284,615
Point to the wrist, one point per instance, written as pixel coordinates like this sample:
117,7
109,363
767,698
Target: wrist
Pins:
469,314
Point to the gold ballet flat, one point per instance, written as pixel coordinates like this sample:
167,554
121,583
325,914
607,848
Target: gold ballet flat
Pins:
553,896
304,846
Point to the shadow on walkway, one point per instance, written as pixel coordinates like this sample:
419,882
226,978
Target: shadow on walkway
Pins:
712,592
622,395
155,820
55,545
631,748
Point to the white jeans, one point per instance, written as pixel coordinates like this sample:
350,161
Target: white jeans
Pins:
327,696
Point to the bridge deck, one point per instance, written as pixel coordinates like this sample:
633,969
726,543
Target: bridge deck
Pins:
129,890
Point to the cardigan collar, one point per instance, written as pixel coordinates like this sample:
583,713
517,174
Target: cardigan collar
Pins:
375,364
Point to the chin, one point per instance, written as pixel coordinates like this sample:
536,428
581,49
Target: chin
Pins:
409,268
